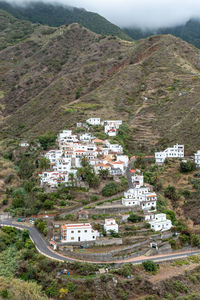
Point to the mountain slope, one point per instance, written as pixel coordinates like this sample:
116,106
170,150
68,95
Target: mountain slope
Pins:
57,15
12,30
60,76
190,32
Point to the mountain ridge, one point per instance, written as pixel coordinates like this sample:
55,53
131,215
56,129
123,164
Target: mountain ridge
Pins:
189,32
58,76
56,15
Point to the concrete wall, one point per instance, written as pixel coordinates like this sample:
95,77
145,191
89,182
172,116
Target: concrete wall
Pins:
113,209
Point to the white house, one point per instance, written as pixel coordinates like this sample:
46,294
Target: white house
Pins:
142,197
114,123
158,222
173,152
94,121
137,180
78,233
197,158
111,225
86,137
24,144
114,147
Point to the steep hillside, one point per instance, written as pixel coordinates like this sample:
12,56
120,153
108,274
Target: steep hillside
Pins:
57,77
13,30
189,32
57,15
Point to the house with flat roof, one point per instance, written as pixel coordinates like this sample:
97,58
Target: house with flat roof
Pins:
158,222
173,152
78,233
111,225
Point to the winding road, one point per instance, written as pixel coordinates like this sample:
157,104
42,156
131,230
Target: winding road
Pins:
43,248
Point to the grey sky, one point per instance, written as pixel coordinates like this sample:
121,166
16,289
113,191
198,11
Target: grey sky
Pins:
141,13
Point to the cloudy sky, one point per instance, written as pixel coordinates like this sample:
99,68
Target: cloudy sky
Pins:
141,13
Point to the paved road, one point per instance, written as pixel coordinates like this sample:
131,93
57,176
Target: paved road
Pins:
44,249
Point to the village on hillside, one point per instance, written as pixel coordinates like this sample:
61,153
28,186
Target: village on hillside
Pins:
108,228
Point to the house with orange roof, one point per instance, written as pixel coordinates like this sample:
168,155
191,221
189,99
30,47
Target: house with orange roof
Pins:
83,232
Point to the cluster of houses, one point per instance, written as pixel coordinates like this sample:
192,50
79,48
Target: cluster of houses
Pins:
84,232
64,162
142,196
110,126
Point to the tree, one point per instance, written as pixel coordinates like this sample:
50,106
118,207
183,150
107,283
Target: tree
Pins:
71,178
47,140
44,163
104,173
110,189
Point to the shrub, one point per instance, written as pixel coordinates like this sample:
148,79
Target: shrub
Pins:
195,241
4,294
186,167
150,266
110,189
171,193
94,198
134,218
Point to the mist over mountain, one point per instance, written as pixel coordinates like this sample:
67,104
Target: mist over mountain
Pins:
57,15
189,32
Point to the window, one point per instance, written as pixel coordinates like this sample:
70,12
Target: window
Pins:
79,231
93,237
72,238
72,231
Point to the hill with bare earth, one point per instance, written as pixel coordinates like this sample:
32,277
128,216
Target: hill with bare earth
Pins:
54,77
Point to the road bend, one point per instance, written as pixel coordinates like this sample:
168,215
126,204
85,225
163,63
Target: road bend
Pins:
43,248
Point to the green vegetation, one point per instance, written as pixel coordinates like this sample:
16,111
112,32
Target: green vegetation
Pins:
57,15
47,140
41,225
87,174
150,266
189,32
113,188
135,219
186,167
13,30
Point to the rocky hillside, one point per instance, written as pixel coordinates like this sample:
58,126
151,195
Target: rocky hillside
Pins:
58,76
57,15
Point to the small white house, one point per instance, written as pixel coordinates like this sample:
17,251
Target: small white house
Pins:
173,152
111,225
137,180
94,121
78,233
24,144
158,222
197,159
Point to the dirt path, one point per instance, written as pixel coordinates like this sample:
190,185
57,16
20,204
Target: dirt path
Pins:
167,272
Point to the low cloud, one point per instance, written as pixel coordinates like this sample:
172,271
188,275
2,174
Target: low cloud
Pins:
143,13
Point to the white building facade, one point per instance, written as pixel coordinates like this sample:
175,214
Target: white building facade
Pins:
158,222
197,159
78,233
111,225
173,152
